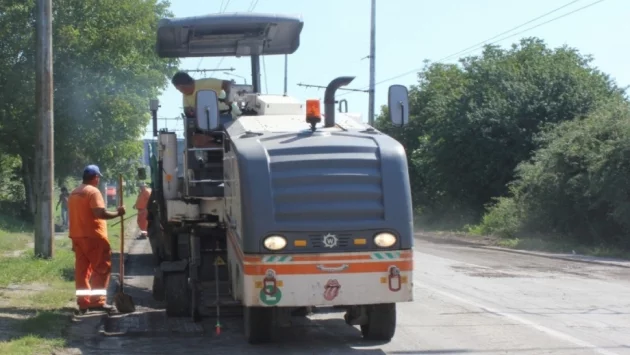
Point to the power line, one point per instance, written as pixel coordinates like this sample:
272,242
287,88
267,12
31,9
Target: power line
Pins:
499,40
252,5
510,30
251,8
221,10
324,87
226,5
206,70
352,64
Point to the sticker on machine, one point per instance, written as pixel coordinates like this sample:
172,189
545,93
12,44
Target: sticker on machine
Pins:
331,290
270,294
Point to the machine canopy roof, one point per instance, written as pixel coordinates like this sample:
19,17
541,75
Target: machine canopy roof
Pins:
228,35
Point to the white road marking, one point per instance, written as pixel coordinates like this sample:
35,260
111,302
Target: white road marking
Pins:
526,322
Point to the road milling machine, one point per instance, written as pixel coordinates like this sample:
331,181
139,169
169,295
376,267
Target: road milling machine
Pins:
279,208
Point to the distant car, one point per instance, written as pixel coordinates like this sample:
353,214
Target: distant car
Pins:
112,196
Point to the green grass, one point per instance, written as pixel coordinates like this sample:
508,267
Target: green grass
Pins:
31,345
26,268
38,294
113,231
14,235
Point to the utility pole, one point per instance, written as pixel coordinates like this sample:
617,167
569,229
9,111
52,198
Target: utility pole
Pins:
372,63
286,74
44,152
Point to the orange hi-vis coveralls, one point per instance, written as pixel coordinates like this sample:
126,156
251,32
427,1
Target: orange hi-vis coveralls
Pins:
141,205
93,255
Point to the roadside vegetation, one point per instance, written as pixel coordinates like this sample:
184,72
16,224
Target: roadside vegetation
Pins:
37,295
105,73
529,144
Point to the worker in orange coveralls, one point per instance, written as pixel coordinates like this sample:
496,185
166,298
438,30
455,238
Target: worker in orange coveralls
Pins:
88,231
141,205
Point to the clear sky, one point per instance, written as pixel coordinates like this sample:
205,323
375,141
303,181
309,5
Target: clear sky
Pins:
336,36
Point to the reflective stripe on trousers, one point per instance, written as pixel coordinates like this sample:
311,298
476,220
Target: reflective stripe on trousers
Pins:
91,292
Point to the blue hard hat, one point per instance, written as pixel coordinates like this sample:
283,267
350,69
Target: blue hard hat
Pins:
92,170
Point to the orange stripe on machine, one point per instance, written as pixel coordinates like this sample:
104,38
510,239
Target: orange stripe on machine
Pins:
300,264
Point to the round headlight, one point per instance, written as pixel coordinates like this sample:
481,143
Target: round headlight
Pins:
275,242
384,240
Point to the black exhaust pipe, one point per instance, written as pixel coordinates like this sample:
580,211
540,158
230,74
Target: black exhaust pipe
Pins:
329,98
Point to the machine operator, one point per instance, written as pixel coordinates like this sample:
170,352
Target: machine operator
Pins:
188,86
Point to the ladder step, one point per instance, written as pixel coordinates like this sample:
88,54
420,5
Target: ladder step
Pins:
205,181
214,149
227,302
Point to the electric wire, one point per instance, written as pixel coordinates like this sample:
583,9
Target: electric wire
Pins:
476,47
251,8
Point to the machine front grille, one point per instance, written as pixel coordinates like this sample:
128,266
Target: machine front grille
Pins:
326,184
317,241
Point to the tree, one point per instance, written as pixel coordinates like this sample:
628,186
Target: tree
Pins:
577,183
105,71
472,124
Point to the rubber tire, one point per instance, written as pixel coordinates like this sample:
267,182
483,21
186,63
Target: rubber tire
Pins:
381,324
302,312
158,289
154,241
177,294
259,324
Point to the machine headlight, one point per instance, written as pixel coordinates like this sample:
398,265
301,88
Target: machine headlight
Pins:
275,242
384,240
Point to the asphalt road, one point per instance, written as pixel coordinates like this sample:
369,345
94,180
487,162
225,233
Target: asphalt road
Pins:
467,301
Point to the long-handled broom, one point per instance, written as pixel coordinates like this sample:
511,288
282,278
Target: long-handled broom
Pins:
124,303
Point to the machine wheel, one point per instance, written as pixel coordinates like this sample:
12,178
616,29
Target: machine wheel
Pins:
195,296
158,288
302,311
259,324
177,294
154,240
381,324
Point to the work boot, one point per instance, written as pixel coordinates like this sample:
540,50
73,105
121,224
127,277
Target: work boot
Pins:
102,308
80,312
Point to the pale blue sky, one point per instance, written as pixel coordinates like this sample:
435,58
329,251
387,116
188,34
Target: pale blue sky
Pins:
336,37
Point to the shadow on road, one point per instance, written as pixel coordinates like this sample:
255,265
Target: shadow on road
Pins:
150,331
567,350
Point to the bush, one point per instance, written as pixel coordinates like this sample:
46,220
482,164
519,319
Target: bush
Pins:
472,124
503,219
577,184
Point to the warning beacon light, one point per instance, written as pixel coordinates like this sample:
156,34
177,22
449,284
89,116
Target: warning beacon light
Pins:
313,113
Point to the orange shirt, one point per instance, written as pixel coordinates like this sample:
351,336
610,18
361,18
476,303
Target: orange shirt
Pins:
83,223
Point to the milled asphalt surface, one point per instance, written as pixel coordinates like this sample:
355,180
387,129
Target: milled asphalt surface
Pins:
468,300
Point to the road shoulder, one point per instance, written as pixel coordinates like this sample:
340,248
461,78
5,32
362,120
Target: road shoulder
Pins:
489,244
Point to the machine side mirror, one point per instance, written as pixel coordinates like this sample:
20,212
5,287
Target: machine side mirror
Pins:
207,111
398,105
142,173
